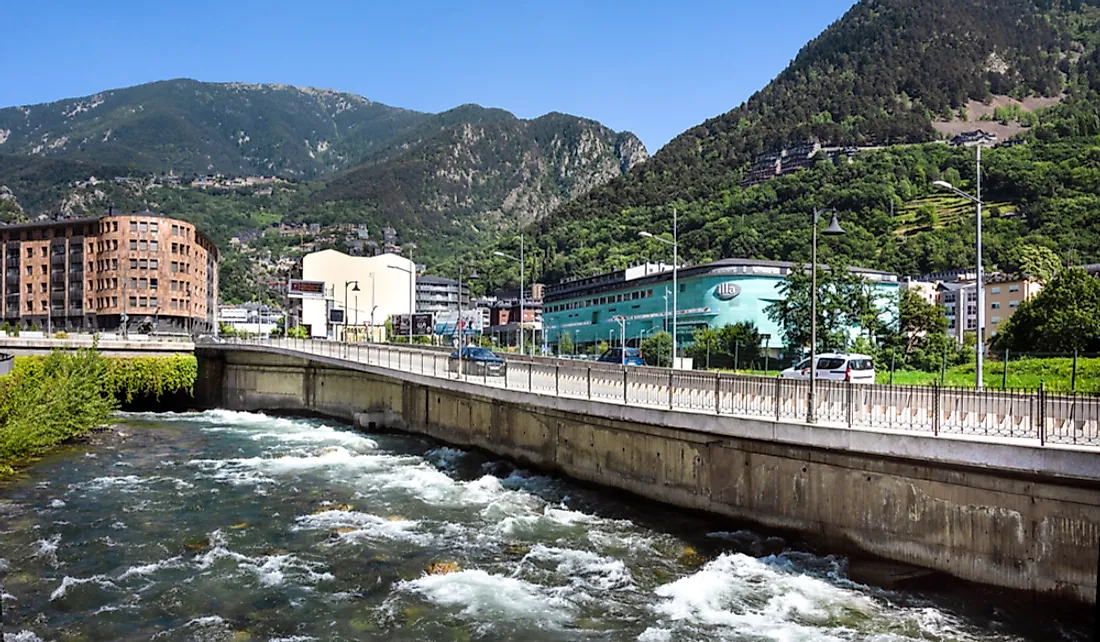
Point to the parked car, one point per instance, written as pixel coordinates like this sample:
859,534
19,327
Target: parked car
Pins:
833,366
615,355
479,361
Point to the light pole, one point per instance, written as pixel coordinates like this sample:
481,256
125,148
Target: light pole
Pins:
373,307
834,229
675,264
355,289
622,339
977,200
521,284
412,300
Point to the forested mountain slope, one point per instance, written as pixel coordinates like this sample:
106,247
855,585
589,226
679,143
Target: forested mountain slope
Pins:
881,75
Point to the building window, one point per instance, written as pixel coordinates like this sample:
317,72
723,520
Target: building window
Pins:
45,306
143,263
175,266
133,226
43,270
143,302
995,320
143,245
153,246
1013,288
153,227
133,264
43,252
114,264
152,301
996,290
133,245
115,242
30,270
143,227
142,284
30,288
995,305
30,307
152,264
1013,304
114,301
152,284
175,230
133,302
175,248
42,288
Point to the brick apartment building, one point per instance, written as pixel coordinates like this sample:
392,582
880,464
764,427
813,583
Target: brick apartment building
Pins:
92,273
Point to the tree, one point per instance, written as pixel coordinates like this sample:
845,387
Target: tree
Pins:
565,343
1036,261
918,320
845,301
657,349
733,345
1064,317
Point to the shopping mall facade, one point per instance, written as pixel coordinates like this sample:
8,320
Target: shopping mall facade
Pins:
710,295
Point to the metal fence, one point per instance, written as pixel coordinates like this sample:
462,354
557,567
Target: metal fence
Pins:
1032,414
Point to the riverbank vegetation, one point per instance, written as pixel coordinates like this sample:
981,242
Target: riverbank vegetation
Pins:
46,401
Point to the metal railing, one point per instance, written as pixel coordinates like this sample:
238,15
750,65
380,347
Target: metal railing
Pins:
1029,414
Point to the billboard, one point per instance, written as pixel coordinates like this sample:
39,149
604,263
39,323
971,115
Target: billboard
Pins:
299,289
448,323
336,316
422,324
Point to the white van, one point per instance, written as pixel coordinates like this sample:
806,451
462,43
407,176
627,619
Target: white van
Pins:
832,366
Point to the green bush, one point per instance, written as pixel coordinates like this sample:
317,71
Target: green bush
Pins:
48,400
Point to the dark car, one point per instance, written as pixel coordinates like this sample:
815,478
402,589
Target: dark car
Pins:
615,355
479,361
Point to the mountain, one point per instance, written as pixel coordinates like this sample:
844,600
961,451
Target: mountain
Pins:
190,127
888,73
480,166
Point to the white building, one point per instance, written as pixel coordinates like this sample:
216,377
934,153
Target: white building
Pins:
386,282
926,290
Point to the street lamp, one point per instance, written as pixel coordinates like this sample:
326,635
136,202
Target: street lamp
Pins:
834,229
622,338
412,299
977,200
355,289
675,262
521,284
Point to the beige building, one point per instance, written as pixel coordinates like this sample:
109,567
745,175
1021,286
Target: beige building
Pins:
386,285
1003,294
924,289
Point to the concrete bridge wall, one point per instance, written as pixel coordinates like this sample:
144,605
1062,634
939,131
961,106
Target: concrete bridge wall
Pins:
1004,514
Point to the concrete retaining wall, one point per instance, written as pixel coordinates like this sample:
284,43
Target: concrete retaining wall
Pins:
1004,514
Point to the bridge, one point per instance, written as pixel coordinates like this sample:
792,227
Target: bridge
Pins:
991,487
108,345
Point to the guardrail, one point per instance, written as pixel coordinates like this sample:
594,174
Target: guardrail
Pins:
1066,419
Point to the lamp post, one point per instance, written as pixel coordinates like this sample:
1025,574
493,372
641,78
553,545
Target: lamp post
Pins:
412,300
622,339
373,307
834,229
521,285
675,264
977,200
355,289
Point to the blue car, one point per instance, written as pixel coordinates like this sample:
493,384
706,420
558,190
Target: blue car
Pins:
479,361
633,357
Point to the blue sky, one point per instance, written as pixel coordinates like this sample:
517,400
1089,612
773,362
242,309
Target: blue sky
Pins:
654,68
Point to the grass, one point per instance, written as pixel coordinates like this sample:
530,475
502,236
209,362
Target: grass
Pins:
950,209
1056,374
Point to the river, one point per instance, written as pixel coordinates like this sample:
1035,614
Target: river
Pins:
236,527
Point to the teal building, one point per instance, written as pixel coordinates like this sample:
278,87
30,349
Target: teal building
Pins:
714,295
